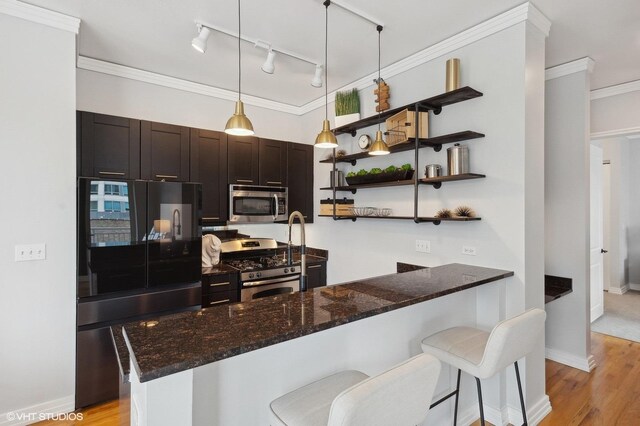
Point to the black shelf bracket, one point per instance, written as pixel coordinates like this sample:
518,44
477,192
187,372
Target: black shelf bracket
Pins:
437,222
354,162
437,185
437,111
353,133
437,148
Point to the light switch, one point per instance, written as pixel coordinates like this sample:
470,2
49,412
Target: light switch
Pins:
25,252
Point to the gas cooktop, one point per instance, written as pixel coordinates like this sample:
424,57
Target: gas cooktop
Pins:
257,264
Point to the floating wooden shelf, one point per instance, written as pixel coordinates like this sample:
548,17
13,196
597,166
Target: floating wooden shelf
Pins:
354,188
433,142
437,181
434,220
434,104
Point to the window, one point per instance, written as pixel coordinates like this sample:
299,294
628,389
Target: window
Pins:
126,206
93,205
94,188
112,189
112,206
125,190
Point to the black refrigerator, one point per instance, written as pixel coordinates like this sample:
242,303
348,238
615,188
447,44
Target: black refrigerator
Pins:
139,256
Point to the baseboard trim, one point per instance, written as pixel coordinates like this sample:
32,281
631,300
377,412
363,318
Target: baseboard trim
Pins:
537,411
584,364
635,287
619,291
35,413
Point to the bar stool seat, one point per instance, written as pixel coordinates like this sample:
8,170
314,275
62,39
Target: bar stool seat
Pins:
399,396
483,354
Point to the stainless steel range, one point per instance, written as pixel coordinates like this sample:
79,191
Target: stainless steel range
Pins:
262,272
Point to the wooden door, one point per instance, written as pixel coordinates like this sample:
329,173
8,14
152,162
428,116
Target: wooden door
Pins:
300,179
272,160
109,147
164,152
209,167
243,160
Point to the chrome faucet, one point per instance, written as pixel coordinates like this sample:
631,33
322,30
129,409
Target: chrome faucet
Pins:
303,250
177,227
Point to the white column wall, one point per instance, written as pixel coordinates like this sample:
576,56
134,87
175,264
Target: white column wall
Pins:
38,161
566,176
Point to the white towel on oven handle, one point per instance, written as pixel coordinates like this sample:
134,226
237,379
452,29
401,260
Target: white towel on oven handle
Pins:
210,250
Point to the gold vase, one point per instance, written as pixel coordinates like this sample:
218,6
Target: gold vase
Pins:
453,74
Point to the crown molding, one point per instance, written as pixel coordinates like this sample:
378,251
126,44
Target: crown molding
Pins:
526,12
618,89
40,15
130,73
628,133
584,64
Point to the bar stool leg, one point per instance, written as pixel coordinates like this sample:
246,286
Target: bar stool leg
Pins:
455,410
524,410
480,402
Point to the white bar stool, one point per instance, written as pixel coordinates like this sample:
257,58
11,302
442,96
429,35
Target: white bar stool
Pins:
399,396
484,354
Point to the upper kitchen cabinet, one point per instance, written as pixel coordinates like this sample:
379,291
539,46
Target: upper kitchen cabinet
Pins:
243,160
109,147
273,162
209,167
164,152
300,179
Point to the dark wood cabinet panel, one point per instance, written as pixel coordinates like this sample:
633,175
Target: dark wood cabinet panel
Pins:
209,167
109,147
300,179
316,275
220,289
273,162
164,152
242,157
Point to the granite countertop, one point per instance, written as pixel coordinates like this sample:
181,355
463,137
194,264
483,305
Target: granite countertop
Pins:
556,287
220,268
190,339
122,353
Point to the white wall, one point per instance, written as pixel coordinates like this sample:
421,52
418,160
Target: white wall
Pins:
617,151
633,224
616,113
566,176
37,134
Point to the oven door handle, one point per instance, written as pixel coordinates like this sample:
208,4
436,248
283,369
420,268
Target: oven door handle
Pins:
275,207
272,281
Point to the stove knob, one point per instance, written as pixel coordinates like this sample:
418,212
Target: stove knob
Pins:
258,275
287,270
251,275
292,269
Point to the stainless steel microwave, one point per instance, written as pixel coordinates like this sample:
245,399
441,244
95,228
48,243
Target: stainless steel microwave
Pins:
257,204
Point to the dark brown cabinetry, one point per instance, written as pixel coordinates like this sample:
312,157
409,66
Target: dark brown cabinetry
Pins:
109,147
300,179
209,167
243,160
164,152
273,162
219,289
316,275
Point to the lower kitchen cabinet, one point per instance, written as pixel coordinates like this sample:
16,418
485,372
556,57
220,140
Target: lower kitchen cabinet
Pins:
220,289
316,275
209,167
300,179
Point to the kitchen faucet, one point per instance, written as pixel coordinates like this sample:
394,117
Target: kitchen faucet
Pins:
176,227
303,250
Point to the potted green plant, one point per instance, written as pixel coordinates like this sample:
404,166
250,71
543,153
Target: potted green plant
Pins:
347,107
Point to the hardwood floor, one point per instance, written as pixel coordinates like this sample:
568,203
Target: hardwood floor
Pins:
609,395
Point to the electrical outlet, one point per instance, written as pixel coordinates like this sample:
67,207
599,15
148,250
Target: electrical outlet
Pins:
469,250
26,252
423,246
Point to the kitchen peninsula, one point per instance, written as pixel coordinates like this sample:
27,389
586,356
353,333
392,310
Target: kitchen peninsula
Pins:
223,365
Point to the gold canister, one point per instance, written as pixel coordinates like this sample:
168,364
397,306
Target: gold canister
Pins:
453,74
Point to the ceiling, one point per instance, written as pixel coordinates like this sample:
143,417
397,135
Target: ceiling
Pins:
155,35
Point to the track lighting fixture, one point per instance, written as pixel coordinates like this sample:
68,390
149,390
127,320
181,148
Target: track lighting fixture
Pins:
268,65
317,77
200,42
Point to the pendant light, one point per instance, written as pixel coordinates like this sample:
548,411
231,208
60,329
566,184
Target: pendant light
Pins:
326,138
239,124
379,147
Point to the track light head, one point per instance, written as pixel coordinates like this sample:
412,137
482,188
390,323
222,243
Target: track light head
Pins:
200,43
317,77
268,65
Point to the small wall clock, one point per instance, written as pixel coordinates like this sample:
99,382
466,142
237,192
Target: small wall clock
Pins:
364,141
